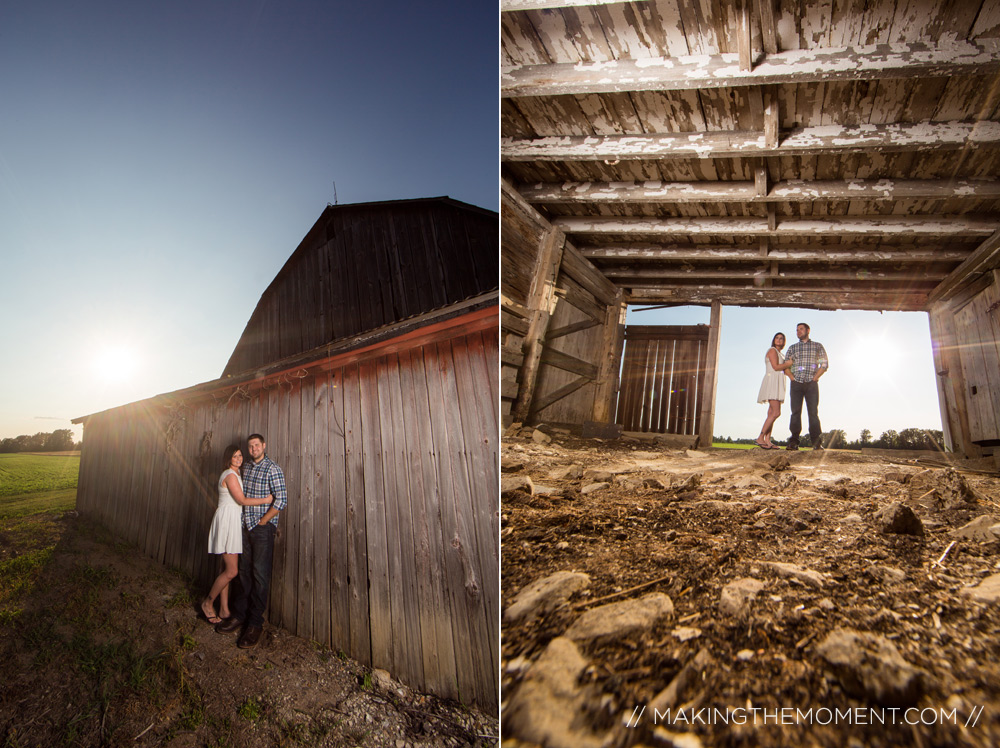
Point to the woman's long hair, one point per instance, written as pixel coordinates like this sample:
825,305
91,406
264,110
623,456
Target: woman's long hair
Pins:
775,338
228,455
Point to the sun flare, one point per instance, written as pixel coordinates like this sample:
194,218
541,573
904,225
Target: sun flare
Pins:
115,364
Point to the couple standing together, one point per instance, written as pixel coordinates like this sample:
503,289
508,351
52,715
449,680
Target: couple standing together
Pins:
806,362
250,496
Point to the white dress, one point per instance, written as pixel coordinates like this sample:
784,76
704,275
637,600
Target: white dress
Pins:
226,533
773,386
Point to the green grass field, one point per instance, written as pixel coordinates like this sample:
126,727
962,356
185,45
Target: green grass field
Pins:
23,476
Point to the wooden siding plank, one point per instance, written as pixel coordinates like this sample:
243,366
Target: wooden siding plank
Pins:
306,500
340,588
379,605
436,614
461,582
357,544
322,560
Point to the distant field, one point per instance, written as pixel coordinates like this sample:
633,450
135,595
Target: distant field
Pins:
31,483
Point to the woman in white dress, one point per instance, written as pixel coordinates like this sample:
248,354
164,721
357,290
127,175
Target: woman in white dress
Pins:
225,537
772,389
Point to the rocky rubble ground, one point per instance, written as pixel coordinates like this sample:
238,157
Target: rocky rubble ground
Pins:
722,597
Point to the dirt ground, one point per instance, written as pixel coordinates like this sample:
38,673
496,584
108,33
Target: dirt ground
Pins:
645,522
109,651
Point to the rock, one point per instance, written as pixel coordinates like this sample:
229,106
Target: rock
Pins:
677,691
599,476
511,483
540,437
654,483
744,655
737,596
511,464
892,575
898,519
513,429
590,488
545,595
382,679
541,490
779,462
619,619
562,545
751,481
545,708
787,480
987,591
690,483
812,578
870,666
570,472
826,604
897,477
978,529
671,536
853,519
686,633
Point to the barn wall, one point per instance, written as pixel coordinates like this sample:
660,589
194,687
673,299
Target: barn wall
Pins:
389,546
365,266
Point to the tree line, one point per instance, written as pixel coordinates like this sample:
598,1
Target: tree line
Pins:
60,440
924,439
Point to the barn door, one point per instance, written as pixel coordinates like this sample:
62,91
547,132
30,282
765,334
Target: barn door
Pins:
663,378
978,330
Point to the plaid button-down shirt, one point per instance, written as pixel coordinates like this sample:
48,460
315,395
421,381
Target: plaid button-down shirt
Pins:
808,356
262,479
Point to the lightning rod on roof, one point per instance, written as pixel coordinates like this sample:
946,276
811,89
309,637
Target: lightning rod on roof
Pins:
335,194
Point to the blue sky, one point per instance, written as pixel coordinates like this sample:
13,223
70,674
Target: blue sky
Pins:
159,162
881,369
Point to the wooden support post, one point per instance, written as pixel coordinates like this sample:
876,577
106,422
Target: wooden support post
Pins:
950,382
706,421
541,304
744,40
611,359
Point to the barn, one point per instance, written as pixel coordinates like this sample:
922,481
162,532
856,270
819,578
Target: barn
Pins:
758,153
370,366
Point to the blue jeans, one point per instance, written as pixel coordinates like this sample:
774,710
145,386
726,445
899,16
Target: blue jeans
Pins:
809,391
250,603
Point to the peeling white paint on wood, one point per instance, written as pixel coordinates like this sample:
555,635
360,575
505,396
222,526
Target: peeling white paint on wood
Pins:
826,256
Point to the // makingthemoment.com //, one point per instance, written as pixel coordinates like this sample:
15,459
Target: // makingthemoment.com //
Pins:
797,716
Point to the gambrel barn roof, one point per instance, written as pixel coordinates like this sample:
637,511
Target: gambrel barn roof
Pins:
827,154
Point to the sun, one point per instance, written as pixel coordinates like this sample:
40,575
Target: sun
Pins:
115,364
875,356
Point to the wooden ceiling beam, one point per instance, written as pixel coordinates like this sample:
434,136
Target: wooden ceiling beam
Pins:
731,254
512,5
889,226
760,191
809,297
692,72
759,274
816,140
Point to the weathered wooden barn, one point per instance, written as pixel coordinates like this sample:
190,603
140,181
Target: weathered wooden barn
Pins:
818,154
370,366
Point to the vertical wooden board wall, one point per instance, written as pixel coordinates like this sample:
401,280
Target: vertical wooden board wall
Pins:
357,531
479,427
324,498
340,570
436,640
305,457
379,606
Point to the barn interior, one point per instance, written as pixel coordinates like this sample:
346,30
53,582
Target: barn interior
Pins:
836,154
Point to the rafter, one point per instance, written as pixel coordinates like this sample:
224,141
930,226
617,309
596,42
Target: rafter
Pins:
821,139
792,190
831,226
758,274
984,258
807,296
726,70
819,254
511,5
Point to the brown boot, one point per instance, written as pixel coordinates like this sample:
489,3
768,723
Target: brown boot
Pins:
250,637
228,626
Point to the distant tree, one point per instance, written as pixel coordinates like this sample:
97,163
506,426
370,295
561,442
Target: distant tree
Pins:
8,445
866,437
78,446
60,440
834,439
888,440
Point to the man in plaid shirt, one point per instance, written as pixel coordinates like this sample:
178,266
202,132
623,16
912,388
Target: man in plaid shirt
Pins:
810,364
261,478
